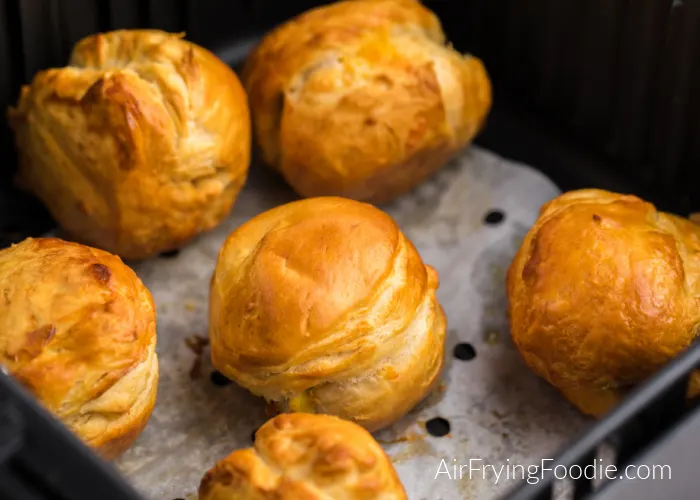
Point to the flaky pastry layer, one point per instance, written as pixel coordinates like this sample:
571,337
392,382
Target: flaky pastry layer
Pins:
363,99
324,306
139,144
78,329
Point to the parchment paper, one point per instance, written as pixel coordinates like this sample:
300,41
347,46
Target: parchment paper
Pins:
500,413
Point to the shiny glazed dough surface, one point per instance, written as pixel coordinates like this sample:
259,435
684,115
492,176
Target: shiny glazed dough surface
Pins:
305,457
604,291
78,330
323,305
363,99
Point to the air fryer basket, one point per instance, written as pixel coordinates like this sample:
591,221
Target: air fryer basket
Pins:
592,93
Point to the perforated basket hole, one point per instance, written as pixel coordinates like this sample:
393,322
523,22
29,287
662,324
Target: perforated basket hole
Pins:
464,351
494,217
438,427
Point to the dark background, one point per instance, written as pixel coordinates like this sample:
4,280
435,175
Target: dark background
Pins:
595,93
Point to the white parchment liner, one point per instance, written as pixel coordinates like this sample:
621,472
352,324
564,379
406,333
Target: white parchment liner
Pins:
500,413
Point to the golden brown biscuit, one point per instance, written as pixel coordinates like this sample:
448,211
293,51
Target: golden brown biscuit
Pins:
138,145
363,99
323,306
305,457
604,291
78,329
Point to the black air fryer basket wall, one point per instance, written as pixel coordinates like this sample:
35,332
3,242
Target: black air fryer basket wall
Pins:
595,93
617,76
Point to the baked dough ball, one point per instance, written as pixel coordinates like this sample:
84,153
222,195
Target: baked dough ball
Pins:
138,145
323,306
78,329
305,457
604,291
363,99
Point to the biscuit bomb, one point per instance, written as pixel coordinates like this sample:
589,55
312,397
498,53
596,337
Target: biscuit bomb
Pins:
141,143
604,291
323,306
78,330
305,457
